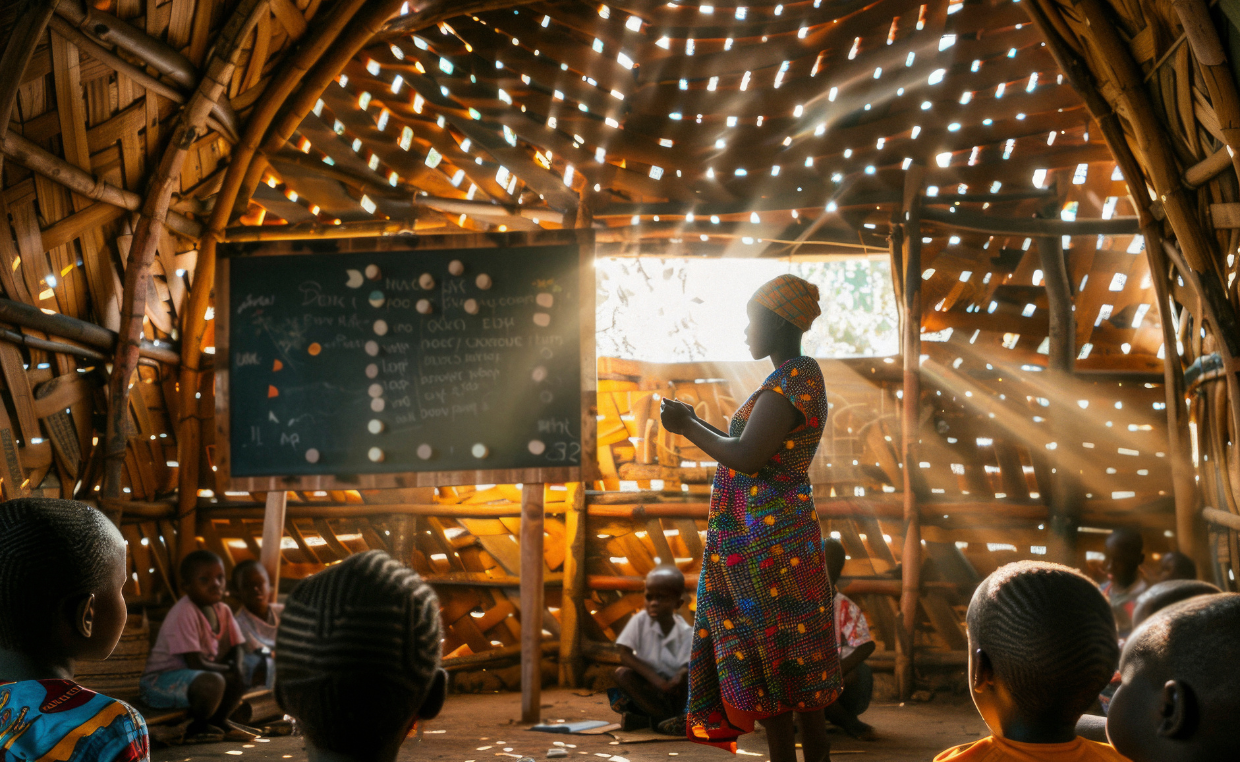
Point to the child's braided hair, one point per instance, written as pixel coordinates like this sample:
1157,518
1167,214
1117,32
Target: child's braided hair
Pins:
1049,634
357,651
50,550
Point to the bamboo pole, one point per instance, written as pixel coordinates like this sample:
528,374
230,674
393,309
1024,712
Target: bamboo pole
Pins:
1151,138
217,120
194,320
152,223
1184,484
24,37
54,168
363,229
273,535
1221,518
1183,476
99,27
1062,359
492,657
572,601
910,419
1204,40
81,331
361,31
1030,226
532,593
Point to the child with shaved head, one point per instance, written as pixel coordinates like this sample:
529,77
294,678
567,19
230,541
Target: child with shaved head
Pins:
1180,694
654,653
1042,644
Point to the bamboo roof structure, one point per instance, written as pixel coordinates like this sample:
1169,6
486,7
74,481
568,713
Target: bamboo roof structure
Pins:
1055,184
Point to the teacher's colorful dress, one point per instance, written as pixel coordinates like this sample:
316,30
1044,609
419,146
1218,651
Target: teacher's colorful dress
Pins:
762,641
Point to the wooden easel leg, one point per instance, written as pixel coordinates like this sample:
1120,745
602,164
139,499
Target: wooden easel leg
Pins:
273,535
532,565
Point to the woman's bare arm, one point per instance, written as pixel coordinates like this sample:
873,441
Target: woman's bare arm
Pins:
773,416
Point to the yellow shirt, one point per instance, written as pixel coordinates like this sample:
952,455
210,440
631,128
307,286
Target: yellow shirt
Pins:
992,749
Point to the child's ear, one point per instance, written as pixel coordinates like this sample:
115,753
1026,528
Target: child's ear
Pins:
435,695
1174,710
981,671
84,616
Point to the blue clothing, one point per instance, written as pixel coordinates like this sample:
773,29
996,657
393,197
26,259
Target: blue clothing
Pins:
168,689
60,721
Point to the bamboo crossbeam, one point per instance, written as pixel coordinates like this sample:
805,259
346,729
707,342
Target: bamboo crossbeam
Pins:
13,337
480,579
218,121
1208,168
494,656
1221,518
25,34
1030,226
81,331
364,229
51,166
152,222
328,510
94,24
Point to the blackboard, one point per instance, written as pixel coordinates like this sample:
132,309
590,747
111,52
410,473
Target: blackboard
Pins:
376,362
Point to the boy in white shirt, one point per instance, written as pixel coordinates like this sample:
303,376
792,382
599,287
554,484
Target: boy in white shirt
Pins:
654,649
852,634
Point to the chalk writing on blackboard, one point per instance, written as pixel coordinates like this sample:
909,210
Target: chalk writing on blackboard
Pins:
394,361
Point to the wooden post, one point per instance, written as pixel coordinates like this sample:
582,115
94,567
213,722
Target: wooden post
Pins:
1183,477
1062,359
273,535
572,602
532,565
911,561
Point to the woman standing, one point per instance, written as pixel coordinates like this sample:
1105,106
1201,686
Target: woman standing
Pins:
762,644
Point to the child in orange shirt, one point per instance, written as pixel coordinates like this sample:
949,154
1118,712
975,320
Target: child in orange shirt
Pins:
1042,644
1180,697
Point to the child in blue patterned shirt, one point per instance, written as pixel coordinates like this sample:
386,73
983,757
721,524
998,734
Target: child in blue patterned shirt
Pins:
62,566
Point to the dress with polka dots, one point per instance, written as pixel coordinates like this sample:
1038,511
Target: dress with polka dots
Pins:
762,640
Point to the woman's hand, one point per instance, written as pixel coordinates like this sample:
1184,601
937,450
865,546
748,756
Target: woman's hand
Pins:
676,415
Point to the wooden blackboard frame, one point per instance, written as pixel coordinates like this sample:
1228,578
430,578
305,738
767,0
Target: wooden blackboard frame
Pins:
587,471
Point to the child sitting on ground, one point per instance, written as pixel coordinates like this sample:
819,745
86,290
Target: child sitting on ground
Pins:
1181,684
258,619
196,663
1152,601
1175,565
852,634
1042,644
1125,553
654,651
358,657
62,567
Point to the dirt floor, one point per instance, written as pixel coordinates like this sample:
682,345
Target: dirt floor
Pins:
484,728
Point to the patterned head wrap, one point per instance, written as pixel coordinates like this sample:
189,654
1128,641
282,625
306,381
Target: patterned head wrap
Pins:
793,299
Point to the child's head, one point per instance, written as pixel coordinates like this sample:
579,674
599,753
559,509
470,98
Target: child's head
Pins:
62,567
665,591
1042,645
1180,694
1125,552
252,586
1164,594
1176,565
833,551
357,656
202,577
